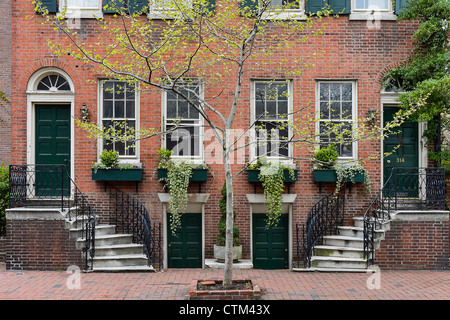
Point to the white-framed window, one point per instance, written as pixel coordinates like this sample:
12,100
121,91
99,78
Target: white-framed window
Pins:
372,10
271,112
285,9
186,140
81,8
336,108
119,109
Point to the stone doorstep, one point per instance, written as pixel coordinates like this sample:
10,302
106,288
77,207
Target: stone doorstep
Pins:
255,293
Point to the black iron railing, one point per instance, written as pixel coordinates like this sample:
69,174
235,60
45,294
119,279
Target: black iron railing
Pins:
51,185
323,219
130,216
406,189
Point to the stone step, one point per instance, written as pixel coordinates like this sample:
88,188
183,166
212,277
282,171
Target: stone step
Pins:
125,269
119,249
335,251
358,232
359,222
343,241
101,229
338,262
107,240
120,261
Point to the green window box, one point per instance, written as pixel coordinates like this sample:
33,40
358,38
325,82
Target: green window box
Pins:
117,174
253,175
199,175
329,175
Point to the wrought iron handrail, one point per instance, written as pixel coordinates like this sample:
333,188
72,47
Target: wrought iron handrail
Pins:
130,216
406,189
36,184
323,218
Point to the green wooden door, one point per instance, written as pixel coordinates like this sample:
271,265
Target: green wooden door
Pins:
404,145
270,245
52,148
185,246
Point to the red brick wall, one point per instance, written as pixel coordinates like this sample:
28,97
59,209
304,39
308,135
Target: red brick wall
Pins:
351,51
5,80
40,245
415,245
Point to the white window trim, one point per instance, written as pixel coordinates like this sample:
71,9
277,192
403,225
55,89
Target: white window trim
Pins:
158,12
283,160
83,13
287,14
372,14
123,159
354,115
196,160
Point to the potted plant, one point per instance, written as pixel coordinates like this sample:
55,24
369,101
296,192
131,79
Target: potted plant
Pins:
109,169
219,248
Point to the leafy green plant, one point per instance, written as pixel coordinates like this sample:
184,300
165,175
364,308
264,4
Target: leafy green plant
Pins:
344,172
4,197
326,157
177,181
273,184
222,222
163,158
109,159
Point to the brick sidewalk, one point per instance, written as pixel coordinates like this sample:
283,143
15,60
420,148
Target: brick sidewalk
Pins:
173,284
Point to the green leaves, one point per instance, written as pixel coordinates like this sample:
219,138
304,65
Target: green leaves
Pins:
272,178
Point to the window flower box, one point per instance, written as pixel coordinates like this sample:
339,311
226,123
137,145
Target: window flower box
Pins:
253,175
198,174
117,174
329,175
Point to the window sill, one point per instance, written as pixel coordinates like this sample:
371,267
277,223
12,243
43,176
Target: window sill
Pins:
373,15
82,13
287,15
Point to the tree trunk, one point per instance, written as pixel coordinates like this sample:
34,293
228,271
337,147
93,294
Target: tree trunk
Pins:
228,272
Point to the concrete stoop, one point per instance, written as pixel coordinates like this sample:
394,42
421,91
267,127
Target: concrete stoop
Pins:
344,252
113,252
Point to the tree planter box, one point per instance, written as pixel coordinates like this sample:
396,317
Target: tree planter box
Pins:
197,174
253,175
117,174
329,175
219,253
246,290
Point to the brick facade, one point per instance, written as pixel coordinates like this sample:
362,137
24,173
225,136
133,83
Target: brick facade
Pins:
5,80
351,52
415,241
40,241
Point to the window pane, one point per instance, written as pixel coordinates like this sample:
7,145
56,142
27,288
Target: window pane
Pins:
346,111
324,110
335,110
108,90
119,90
335,92
130,113
119,109
324,91
347,92
107,109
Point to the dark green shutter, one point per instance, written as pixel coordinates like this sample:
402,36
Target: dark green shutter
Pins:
137,6
50,5
248,6
313,6
399,5
205,6
340,6
111,6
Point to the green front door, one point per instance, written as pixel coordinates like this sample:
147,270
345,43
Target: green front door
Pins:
270,245
404,146
185,246
52,148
